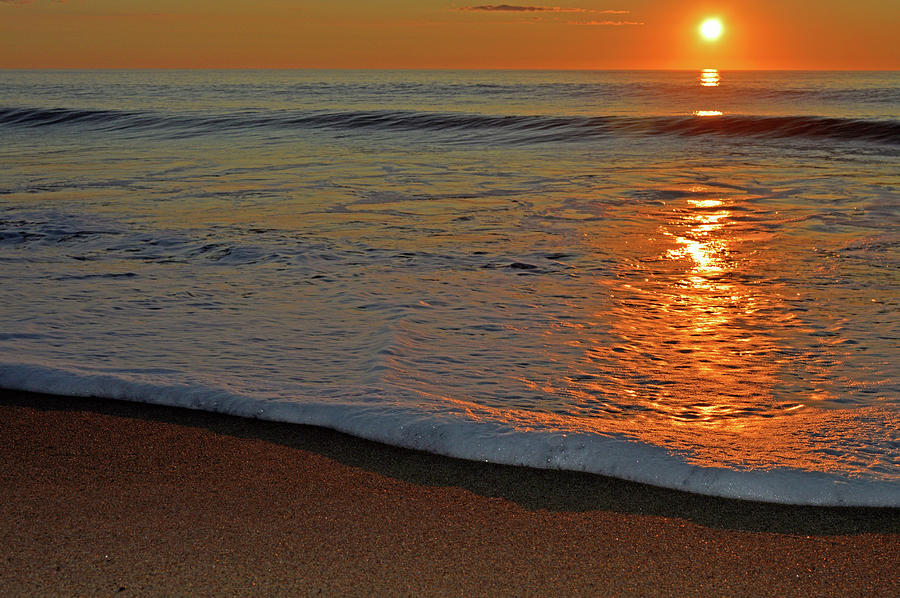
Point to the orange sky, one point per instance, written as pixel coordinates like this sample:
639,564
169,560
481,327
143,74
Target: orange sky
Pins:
601,34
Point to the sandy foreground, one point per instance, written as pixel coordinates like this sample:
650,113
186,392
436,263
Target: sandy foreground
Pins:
107,497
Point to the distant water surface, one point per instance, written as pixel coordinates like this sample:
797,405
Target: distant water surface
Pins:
681,278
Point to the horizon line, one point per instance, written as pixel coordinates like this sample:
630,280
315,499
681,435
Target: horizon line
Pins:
523,69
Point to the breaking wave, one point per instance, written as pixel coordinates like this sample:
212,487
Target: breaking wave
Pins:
473,127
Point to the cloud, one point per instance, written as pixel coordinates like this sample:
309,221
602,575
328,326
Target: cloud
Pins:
512,8
605,23
517,8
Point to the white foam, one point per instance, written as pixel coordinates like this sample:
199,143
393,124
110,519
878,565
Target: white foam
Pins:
478,435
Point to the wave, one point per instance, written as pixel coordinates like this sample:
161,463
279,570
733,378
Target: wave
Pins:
464,126
466,432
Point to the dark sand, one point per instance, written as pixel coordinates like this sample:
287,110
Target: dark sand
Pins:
107,497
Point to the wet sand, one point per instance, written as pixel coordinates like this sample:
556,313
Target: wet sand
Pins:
106,497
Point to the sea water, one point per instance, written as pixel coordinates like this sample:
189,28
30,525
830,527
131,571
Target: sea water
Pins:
688,279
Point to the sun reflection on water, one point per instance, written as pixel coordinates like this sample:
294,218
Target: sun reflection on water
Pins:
710,78
693,336
698,245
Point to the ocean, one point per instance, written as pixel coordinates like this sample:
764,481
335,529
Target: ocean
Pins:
687,279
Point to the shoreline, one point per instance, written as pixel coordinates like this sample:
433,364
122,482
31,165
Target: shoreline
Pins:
102,496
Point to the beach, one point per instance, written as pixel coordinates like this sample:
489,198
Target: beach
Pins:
107,497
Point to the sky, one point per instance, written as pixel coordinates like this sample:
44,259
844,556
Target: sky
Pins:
558,34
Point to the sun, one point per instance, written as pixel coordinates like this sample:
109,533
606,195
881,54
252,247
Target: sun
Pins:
711,29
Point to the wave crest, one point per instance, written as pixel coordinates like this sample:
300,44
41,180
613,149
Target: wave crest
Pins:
474,127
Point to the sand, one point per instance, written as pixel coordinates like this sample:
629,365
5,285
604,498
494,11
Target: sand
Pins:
107,497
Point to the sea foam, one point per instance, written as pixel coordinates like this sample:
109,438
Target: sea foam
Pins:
476,435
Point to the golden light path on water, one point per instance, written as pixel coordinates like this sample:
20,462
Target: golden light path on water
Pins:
690,320
703,349
690,344
709,78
